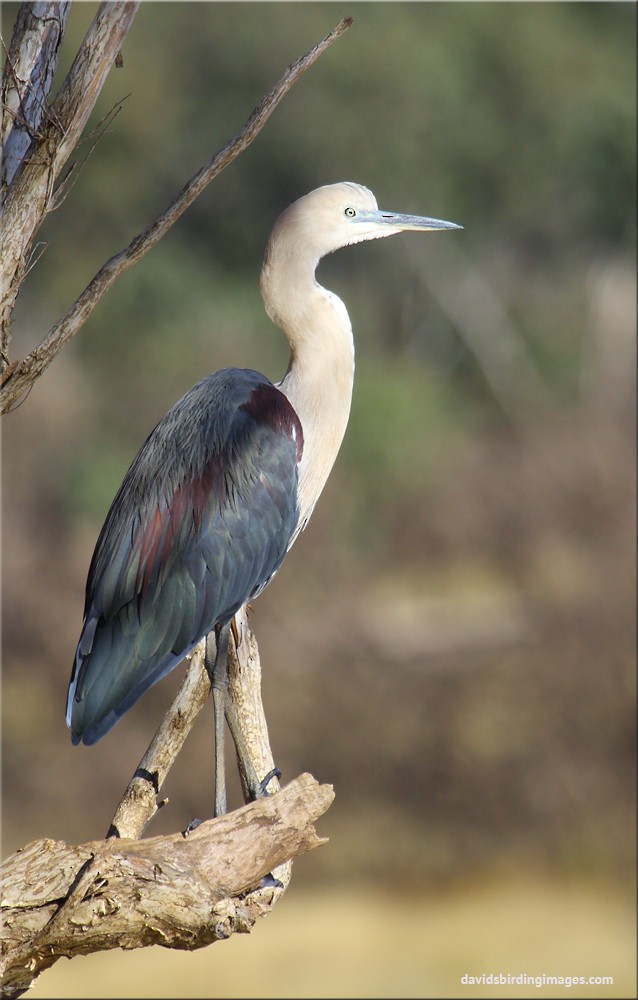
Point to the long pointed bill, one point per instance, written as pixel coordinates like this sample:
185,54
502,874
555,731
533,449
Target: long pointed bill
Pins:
401,223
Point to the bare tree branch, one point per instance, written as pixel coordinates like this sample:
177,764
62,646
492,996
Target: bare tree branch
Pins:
139,803
27,197
180,892
72,173
20,377
27,78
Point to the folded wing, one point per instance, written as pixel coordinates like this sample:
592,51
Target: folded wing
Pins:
201,523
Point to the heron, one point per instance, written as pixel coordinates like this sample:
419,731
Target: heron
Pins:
224,484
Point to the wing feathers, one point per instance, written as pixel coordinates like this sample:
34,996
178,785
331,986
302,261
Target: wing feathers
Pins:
201,523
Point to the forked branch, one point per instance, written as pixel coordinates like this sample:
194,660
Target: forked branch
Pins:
139,803
53,130
178,891
20,376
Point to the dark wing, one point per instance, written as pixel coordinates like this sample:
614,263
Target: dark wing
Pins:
201,523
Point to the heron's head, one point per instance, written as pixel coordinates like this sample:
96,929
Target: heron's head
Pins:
338,215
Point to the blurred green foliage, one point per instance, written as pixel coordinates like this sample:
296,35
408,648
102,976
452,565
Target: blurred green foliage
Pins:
515,119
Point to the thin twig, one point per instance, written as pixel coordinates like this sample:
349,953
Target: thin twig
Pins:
21,120
30,173
72,175
35,255
31,367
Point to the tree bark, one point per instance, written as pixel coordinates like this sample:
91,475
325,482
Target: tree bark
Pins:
29,70
180,891
59,127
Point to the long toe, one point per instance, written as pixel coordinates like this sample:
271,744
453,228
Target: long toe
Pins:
194,823
262,787
270,882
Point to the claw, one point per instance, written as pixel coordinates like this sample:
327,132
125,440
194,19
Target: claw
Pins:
270,882
194,823
262,787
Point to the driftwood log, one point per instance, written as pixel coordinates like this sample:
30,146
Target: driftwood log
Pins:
181,891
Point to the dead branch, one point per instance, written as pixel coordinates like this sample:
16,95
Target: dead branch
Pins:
19,378
139,802
60,125
178,891
28,74
181,892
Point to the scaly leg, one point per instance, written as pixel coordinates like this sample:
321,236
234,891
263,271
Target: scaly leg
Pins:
217,667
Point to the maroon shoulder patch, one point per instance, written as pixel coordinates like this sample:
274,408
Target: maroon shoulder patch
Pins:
268,405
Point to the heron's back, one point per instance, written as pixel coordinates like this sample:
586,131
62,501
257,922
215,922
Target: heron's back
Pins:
202,521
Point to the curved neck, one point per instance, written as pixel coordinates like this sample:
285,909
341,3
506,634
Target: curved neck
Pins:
320,375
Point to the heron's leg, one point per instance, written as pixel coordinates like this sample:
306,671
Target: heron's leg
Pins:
217,667
255,787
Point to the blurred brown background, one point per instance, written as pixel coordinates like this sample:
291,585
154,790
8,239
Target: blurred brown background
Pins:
451,642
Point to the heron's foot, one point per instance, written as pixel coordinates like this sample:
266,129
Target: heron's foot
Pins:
261,791
194,823
270,882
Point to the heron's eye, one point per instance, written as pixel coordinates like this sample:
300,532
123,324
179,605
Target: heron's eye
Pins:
350,213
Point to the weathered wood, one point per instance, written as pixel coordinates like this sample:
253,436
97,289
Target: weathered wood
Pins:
139,802
244,688
178,891
27,78
26,199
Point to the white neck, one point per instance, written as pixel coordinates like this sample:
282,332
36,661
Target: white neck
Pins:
320,375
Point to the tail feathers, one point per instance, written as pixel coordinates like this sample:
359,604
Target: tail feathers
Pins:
109,677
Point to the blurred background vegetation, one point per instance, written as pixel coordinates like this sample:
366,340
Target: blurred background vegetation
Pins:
451,642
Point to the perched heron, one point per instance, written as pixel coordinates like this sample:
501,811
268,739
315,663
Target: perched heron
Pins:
225,482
